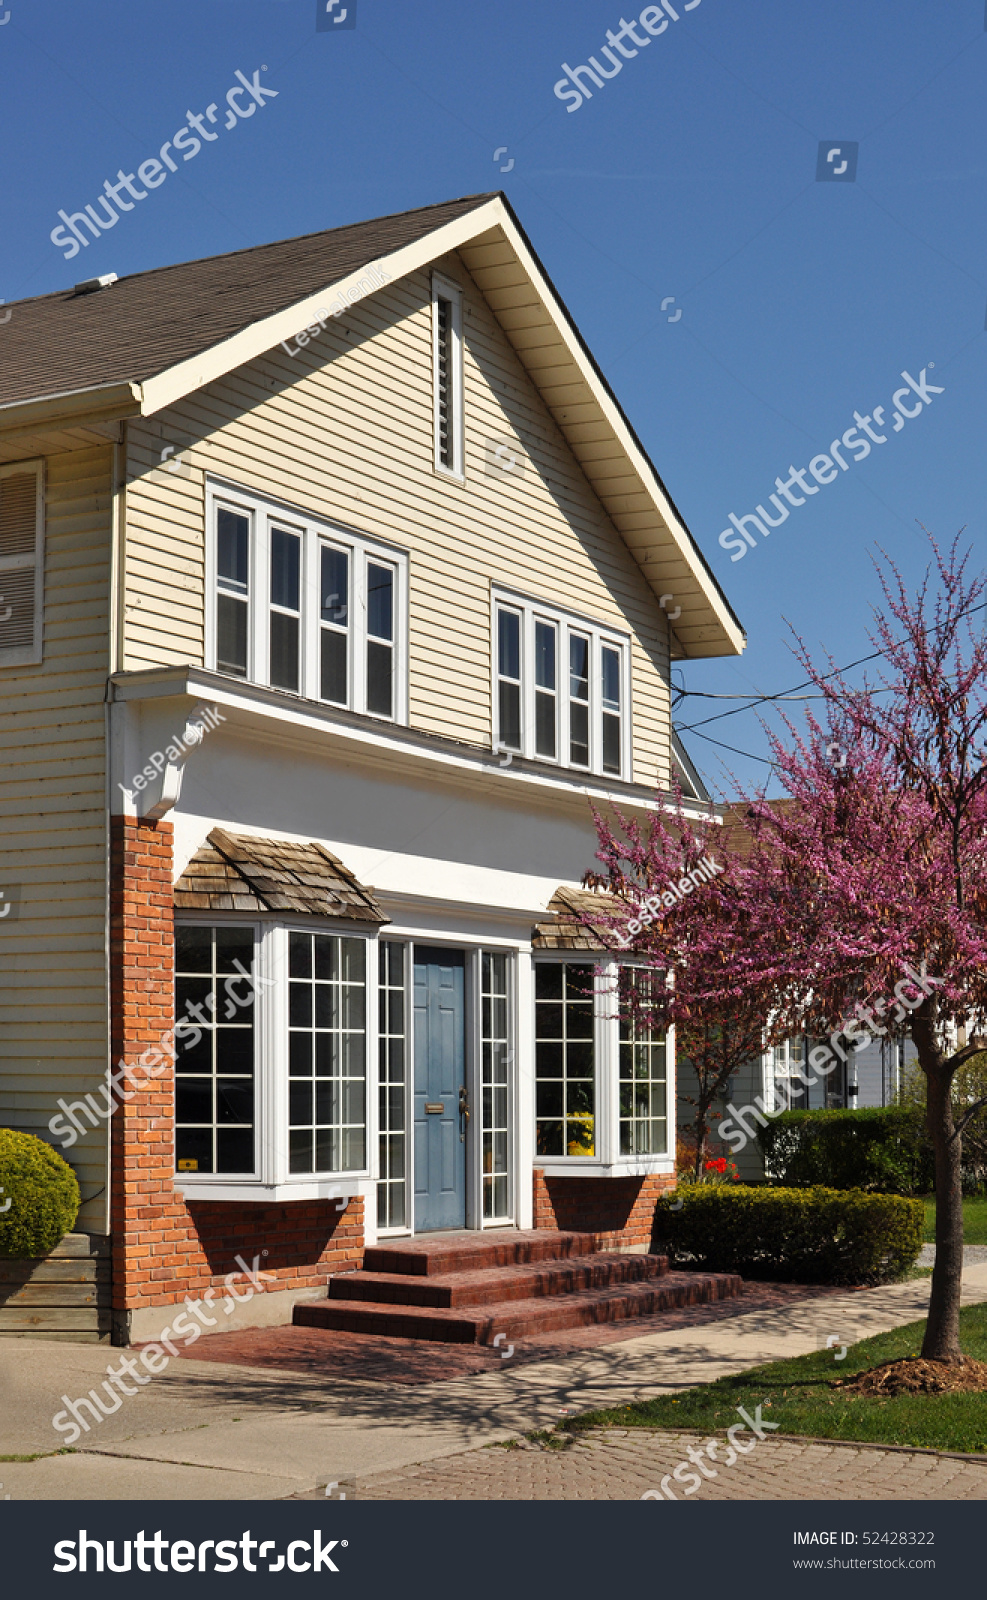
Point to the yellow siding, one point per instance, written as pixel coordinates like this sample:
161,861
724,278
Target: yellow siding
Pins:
53,829
344,430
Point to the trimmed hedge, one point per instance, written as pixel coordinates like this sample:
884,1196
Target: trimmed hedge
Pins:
799,1235
883,1148
43,1192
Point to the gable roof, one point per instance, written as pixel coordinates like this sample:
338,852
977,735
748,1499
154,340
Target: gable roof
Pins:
148,340
237,872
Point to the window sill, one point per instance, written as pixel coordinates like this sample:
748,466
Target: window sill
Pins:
589,1167
217,1188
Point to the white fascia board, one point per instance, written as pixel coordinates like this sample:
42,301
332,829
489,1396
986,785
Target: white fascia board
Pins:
641,466
72,406
312,724
187,376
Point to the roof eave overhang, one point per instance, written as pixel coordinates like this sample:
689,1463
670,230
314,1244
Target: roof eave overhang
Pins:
496,252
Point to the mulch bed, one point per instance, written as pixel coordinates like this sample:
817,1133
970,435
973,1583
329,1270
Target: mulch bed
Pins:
918,1376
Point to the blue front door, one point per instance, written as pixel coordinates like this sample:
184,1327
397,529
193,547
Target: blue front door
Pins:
440,1074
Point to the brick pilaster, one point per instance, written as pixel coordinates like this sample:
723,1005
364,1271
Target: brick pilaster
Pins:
163,1247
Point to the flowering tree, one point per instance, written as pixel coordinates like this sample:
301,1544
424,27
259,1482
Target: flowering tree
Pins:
879,870
866,890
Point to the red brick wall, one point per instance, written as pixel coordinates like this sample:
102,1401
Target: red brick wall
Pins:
164,1249
620,1209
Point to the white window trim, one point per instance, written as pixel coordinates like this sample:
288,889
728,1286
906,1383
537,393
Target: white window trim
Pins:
28,655
272,1179
531,612
608,1161
263,514
446,289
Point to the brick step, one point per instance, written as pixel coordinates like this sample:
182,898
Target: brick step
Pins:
477,1252
520,1318
538,1280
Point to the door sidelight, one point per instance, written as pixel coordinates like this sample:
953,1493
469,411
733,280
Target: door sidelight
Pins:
464,1111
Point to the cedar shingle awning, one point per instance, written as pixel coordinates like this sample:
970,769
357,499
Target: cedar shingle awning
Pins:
238,872
577,921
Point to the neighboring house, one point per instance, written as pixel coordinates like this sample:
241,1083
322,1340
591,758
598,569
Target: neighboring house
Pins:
331,576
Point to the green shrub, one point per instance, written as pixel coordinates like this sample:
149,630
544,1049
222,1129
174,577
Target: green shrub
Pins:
885,1149
799,1235
43,1194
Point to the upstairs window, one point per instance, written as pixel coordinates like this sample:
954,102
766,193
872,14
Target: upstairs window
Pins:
560,689
447,368
306,608
21,564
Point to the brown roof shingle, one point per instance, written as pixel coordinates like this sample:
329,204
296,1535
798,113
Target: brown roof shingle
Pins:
577,922
237,872
145,323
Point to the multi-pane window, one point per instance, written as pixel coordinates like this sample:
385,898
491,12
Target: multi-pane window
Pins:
327,1053
392,1037
305,610
560,689
579,652
233,591
546,645
214,1049
565,1059
21,564
380,639
643,1080
285,635
509,678
496,1055
610,708
334,626
447,364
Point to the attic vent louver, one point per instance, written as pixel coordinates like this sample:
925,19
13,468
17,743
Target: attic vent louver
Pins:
90,285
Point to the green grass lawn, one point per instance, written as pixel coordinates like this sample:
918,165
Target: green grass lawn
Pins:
797,1395
974,1219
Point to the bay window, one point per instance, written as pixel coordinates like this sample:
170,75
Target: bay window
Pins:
303,607
561,689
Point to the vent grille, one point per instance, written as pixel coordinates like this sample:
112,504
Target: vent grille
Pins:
18,514
17,596
444,365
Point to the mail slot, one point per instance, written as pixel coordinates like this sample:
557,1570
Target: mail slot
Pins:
434,1105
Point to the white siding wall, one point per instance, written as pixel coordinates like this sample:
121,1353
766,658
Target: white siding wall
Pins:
353,441
52,828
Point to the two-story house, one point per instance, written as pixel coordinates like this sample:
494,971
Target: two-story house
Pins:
336,589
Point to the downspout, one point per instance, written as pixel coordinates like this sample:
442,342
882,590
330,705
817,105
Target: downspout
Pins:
115,656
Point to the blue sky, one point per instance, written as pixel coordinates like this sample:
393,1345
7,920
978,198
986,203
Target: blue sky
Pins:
691,174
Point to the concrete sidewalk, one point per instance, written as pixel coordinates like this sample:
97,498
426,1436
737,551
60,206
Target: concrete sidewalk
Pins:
202,1430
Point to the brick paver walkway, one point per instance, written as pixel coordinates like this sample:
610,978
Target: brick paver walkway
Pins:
627,1463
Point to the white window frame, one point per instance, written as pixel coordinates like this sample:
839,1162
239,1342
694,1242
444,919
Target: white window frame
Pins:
264,514
608,1160
446,289
29,655
272,1178
532,612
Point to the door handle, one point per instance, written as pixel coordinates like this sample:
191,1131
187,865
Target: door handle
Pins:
464,1110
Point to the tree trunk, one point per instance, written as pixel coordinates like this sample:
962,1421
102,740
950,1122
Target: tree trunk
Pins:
942,1329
